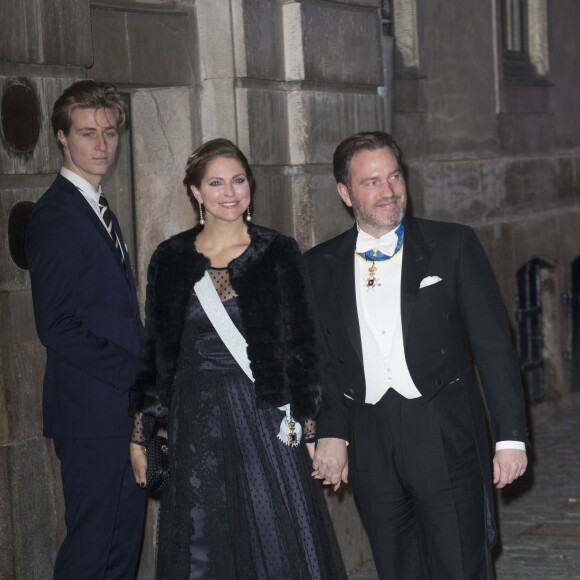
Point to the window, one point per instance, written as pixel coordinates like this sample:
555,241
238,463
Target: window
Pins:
387,18
404,16
387,91
514,28
536,339
524,40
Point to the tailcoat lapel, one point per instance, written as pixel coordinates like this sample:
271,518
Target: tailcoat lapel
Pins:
341,266
417,254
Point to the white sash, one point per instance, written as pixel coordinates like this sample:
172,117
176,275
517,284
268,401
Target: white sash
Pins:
218,316
290,430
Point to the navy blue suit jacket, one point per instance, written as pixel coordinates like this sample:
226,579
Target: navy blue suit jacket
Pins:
86,316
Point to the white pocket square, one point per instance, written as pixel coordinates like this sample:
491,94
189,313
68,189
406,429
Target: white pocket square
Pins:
429,281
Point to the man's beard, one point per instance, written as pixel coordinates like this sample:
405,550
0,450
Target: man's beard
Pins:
371,219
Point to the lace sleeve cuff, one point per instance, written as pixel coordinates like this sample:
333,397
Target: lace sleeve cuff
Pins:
309,430
142,429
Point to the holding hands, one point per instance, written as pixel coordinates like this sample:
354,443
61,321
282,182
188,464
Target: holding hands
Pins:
330,463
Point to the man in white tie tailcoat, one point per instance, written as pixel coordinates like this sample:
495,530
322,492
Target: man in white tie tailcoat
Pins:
408,309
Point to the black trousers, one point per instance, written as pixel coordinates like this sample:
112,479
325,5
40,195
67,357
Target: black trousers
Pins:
418,486
104,510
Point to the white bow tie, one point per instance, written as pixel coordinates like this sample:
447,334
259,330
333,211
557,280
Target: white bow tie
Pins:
387,244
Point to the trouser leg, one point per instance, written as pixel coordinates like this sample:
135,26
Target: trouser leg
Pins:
103,518
419,488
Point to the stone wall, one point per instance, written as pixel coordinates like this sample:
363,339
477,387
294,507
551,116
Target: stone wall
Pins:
498,153
286,80
30,494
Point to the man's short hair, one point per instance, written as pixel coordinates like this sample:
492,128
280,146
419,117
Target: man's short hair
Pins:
86,94
366,141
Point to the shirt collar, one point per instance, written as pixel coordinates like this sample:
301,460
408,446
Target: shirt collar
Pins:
80,183
364,235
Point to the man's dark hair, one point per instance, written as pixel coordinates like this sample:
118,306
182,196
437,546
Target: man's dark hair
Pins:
86,94
366,141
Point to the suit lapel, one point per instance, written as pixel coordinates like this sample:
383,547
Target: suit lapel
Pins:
416,257
341,267
85,209
126,267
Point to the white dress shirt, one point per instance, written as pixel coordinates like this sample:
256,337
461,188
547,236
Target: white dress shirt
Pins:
91,194
379,315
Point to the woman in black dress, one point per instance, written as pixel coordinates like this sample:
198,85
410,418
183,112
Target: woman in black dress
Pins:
241,503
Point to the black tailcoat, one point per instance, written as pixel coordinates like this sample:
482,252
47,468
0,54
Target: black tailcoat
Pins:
449,328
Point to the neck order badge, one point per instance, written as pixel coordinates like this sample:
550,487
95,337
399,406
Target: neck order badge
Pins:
375,255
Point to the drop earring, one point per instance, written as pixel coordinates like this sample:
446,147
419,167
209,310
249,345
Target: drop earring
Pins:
248,215
201,218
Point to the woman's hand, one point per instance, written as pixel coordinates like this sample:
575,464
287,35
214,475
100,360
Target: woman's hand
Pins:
331,462
310,447
139,462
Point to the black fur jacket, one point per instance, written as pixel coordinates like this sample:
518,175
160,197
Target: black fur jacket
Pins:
276,312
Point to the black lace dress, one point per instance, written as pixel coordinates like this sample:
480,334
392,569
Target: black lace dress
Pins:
240,503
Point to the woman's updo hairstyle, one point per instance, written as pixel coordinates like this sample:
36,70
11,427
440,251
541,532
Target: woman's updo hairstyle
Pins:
199,160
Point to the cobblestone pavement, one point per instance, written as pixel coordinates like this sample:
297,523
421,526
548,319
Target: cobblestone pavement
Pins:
540,514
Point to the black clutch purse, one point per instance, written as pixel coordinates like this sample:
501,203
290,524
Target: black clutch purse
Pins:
157,464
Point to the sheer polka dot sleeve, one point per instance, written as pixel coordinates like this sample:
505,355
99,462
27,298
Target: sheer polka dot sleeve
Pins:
142,429
309,430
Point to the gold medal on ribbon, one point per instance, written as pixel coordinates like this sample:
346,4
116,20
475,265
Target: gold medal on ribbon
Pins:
372,281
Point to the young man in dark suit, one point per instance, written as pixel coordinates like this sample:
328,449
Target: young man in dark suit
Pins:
87,317
408,308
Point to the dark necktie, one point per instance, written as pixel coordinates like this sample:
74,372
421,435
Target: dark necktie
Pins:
108,219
